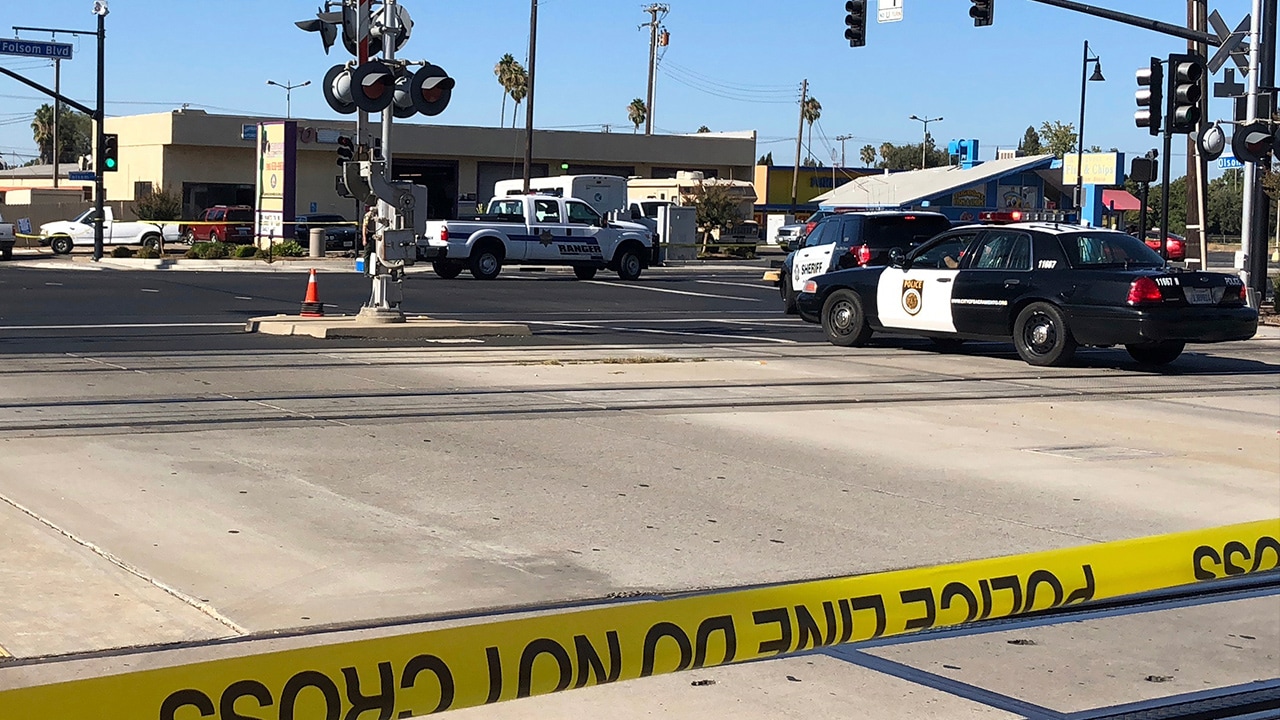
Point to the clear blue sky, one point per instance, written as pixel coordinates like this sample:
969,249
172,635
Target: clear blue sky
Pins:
730,65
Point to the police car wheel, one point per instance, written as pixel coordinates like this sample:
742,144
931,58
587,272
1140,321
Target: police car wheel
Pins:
844,321
1160,353
1042,337
788,295
446,269
629,265
584,272
485,264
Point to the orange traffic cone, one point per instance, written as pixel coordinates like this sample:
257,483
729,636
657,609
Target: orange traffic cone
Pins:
311,306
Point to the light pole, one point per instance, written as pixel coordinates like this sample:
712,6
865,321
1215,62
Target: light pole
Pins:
1085,79
924,144
288,95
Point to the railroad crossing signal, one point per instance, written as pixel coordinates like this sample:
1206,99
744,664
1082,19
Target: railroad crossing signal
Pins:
1184,93
855,22
110,153
346,150
982,12
1150,97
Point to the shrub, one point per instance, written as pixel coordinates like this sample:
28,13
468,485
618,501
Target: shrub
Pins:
244,251
191,254
288,249
121,252
213,251
260,254
149,254
158,205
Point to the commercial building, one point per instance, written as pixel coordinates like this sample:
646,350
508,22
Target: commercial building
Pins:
210,159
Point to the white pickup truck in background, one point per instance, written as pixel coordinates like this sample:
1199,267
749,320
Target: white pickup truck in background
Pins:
63,235
537,230
8,238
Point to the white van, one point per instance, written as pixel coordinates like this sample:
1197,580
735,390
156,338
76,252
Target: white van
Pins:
606,194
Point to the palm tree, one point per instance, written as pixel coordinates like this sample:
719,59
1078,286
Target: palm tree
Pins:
868,155
637,113
504,71
811,111
519,89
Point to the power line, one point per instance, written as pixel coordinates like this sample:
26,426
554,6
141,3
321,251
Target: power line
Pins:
724,95
788,89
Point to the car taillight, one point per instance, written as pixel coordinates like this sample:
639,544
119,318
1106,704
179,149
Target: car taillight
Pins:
1235,295
444,234
1144,290
864,254
810,286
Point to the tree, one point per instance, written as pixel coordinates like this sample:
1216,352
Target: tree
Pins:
811,111
158,205
505,72
907,157
1059,138
637,113
717,207
704,129
868,154
1225,203
519,89
75,135
766,159
1030,144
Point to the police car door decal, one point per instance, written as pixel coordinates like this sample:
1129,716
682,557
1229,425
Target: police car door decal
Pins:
810,262
916,299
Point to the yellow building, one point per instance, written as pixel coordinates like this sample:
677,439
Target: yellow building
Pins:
210,159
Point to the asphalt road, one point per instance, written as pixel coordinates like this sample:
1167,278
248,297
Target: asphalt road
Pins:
166,477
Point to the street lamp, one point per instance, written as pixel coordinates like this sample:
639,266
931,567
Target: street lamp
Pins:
288,95
1085,79
924,144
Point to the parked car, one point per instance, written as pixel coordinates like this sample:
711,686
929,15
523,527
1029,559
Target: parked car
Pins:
1048,288
63,235
221,223
1175,245
844,240
339,232
789,236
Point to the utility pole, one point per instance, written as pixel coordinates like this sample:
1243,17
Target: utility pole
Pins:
842,138
653,23
795,170
100,116
1197,165
528,111
57,110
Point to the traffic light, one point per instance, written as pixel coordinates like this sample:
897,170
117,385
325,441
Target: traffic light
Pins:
346,150
982,12
110,153
1150,97
855,21
1185,73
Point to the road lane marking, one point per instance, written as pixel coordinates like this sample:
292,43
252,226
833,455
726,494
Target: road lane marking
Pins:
753,286
669,290
242,297
54,284
654,331
120,326
150,290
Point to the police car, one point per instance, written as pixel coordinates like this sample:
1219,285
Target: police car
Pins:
1049,287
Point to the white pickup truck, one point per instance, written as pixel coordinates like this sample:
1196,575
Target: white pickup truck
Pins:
536,230
63,235
7,240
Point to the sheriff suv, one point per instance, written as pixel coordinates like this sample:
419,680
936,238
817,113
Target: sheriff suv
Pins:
222,223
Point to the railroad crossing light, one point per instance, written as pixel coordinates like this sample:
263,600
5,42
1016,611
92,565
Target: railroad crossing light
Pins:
110,153
373,86
346,150
431,89
1185,73
1253,141
855,21
982,12
326,23
349,39
337,89
1150,97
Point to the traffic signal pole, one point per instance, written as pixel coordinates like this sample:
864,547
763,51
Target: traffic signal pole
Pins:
99,118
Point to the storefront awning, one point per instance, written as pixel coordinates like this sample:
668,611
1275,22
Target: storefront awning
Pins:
1119,200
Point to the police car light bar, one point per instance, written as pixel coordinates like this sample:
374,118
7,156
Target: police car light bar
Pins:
1012,216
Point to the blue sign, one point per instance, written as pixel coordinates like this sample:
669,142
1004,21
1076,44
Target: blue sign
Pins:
82,175
1226,162
57,51
249,131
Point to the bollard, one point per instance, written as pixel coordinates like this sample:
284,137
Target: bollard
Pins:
317,242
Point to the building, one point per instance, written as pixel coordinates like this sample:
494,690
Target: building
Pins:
773,187
210,159
960,192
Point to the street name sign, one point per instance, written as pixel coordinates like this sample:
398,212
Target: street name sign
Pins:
52,50
890,11
1226,162
82,175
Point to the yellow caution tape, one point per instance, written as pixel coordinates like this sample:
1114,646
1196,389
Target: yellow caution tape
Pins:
430,671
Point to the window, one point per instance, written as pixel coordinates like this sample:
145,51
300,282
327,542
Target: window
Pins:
1003,250
546,211
246,215
902,231
1103,249
825,233
944,253
507,207
141,188
581,213
849,229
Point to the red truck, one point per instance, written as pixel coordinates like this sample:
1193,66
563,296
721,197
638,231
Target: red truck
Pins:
222,223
